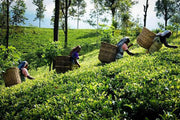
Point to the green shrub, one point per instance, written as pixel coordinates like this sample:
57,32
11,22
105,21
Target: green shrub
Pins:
134,87
9,57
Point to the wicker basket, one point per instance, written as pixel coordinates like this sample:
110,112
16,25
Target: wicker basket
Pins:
145,38
63,64
12,77
107,52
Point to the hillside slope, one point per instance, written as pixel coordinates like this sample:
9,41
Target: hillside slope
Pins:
29,39
138,87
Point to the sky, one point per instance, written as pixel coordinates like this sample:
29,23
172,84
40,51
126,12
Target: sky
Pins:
136,10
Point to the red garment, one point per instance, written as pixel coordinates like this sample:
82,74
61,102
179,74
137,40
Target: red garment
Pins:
124,47
25,72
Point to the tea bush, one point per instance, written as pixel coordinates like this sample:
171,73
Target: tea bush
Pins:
139,87
9,57
33,43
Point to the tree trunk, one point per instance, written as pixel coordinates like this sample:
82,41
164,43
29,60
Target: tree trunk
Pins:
113,13
39,22
78,19
56,24
113,20
97,22
56,21
145,11
7,31
166,18
66,23
166,23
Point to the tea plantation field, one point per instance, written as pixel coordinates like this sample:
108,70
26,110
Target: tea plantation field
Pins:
141,87
28,40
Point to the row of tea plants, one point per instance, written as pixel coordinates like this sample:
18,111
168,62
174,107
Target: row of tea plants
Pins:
139,87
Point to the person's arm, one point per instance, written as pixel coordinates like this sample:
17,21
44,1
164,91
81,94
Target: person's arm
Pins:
26,74
75,59
163,40
29,77
76,62
129,53
169,46
125,48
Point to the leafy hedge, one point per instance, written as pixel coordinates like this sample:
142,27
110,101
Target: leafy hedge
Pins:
139,87
8,58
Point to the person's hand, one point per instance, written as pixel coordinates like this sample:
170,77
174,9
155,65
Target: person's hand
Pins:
29,77
130,45
175,47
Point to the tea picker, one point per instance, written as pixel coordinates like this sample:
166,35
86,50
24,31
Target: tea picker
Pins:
23,71
123,46
153,42
109,53
74,55
160,39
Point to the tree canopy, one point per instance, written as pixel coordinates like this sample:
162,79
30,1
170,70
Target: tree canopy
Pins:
40,10
18,12
166,9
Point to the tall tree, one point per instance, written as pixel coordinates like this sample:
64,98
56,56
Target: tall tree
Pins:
18,12
116,6
56,20
7,23
111,5
96,15
40,10
145,12
175,21
62,17
78,9
3,21
178,6
165,9
124,14
2,13
64,7
56,24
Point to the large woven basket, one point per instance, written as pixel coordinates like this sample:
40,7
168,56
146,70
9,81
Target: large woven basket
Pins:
145,38
12,77
107,52
63,64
